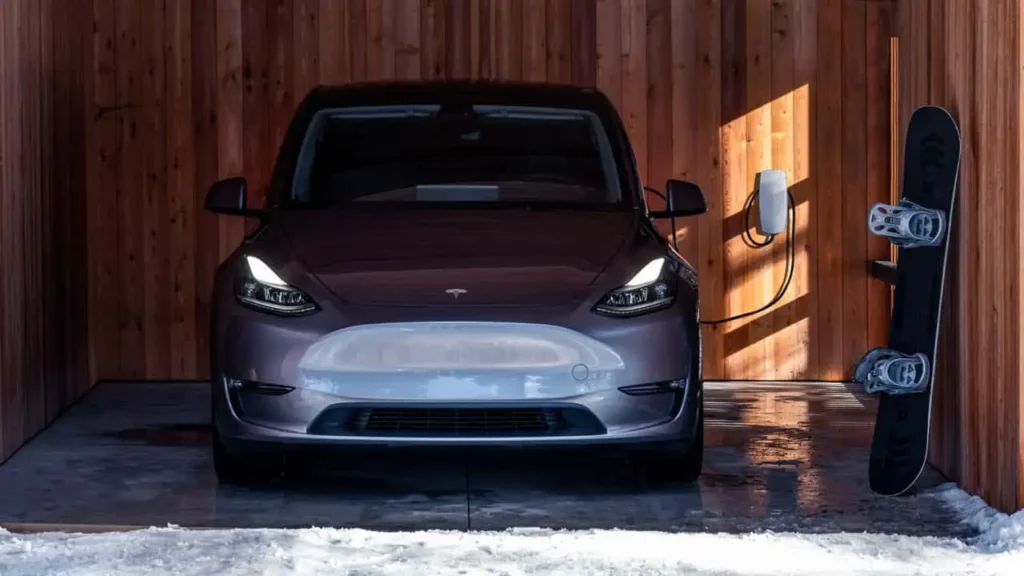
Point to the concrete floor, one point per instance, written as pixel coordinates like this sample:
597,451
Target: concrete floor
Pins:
779,457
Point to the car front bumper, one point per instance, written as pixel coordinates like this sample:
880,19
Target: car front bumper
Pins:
466,366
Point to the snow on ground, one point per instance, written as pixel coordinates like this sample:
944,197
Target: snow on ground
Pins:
158,551
998,531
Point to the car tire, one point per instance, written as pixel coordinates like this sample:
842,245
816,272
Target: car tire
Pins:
682,464
238,471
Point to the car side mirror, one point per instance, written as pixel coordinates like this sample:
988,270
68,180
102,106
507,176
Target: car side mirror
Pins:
682,199
229,197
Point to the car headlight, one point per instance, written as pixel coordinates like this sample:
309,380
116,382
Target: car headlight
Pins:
260,287
647,291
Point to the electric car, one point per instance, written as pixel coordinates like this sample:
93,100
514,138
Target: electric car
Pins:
455,264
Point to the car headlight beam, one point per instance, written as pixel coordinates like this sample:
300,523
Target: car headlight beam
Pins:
261,288
647,274
649,290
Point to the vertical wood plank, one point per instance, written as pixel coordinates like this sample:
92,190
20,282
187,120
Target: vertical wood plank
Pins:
709,172
458,45
734,181
263,49
80,112
61,318
334,60
878,78
407,39
1017,18
829,213
854,183
305,51
104,288
433,62
508,33
279,73
380,48
584,42
208,62
609,50
984,297
558,39
478,46
358,22
757,287
946,439
784,322
129,183
6,372
634,79
233,81
180,203
964,44
535,44
806,172
33,100
684,62
157,326
11,231
485,62
658,131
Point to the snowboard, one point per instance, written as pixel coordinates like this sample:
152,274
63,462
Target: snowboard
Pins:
920,227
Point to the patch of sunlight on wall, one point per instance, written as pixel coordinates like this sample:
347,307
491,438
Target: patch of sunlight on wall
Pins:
775,135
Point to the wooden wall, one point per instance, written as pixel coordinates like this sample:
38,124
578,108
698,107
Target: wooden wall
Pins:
966,56
186,92
42,238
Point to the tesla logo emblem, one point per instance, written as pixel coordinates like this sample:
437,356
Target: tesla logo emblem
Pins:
455,292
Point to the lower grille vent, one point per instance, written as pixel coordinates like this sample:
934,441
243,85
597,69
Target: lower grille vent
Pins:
456,421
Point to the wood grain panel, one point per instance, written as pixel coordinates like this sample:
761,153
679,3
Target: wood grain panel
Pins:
784,364
208,150
659,101
584,45
180,204
558,40
708,174
407,40
967,57
758,285
43,243
157,212
854,181
333,42
806,178
130,149
734,181
684,106
828,86
535,61
878,177
709,91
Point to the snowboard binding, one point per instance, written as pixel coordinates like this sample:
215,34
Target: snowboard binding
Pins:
885,370
907,224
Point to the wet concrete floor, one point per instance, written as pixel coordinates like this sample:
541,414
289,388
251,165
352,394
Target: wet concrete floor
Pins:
786,456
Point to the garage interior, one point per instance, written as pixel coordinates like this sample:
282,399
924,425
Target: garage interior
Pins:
110,135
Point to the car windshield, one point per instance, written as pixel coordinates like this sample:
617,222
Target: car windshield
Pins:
480,154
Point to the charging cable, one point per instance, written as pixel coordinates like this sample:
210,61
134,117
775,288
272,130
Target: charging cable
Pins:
757,244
